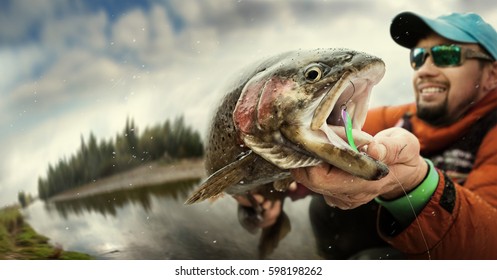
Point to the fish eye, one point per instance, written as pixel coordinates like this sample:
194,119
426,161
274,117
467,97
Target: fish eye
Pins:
313,73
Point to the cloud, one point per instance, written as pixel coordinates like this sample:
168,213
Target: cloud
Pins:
81,31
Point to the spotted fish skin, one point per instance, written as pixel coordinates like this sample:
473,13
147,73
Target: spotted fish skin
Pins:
282,113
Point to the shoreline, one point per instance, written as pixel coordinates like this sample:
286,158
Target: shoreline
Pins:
19,241
142,176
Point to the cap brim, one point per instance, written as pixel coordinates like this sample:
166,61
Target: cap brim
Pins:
407,28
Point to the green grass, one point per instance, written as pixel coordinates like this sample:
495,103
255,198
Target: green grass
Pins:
19,241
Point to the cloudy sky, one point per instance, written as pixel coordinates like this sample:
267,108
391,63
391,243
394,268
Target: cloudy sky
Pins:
68,68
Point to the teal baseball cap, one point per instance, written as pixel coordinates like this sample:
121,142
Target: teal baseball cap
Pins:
408,28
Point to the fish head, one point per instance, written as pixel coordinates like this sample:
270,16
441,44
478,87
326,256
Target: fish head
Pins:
290,112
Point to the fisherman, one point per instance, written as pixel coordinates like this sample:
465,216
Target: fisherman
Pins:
439,200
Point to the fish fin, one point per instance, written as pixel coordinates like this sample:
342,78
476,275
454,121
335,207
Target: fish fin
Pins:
271,236
250,217
225,177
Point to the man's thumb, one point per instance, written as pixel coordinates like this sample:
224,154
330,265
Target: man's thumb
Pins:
377,151
394,145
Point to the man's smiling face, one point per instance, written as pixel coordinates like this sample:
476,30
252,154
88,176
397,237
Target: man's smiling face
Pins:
444,94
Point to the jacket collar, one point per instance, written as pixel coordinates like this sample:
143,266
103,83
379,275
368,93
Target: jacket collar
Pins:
434,138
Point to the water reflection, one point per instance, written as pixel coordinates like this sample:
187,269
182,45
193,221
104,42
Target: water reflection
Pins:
108,203
153,223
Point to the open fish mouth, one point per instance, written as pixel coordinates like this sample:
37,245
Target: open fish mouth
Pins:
323,130
350,94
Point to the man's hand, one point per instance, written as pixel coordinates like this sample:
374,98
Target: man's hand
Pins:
396,147
271,209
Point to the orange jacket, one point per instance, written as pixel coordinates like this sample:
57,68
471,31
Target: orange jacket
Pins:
460,220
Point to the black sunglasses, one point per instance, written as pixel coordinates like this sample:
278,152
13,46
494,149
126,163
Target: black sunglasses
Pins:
445,55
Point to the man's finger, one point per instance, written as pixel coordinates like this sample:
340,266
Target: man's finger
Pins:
394,145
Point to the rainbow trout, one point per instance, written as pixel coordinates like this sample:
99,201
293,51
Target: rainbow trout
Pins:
287,112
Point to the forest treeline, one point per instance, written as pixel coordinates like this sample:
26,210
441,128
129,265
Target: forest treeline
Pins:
97,159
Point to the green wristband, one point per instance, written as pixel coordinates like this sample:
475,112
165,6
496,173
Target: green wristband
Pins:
405,208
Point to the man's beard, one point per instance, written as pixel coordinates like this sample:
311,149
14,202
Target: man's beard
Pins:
435,115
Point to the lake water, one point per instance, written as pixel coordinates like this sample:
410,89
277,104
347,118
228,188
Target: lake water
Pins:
153,223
